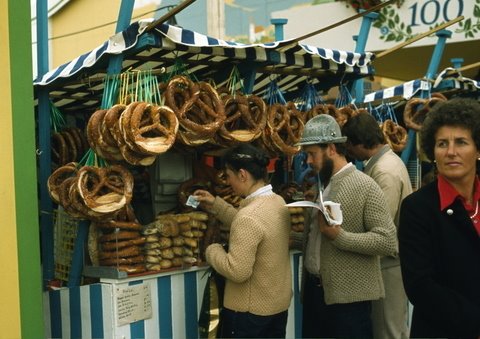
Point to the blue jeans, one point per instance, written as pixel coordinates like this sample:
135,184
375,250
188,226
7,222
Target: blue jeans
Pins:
248,325
352,320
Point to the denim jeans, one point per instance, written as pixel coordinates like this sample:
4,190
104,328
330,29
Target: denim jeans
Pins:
352,320
248,325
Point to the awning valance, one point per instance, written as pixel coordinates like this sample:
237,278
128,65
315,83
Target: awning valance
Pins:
78,84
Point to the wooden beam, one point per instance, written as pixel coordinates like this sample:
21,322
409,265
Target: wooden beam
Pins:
418,37
351,18
170,14
467,67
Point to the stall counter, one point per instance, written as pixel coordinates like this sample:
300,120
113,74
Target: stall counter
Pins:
162,305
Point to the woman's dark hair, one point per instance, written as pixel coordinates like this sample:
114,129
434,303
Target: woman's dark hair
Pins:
363,129
248,157
458,112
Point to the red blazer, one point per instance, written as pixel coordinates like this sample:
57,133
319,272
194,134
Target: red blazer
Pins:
440,260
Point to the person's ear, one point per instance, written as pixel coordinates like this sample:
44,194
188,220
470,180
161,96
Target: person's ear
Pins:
242,175
331,149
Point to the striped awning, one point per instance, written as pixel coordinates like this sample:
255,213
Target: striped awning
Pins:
447,80
78,84
403,91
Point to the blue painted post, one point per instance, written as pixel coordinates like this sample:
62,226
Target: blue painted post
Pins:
278,23
361,43
46,205
114,67
442,35
457,62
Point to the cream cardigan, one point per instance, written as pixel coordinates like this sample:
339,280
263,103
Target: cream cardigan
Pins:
350,264
257,264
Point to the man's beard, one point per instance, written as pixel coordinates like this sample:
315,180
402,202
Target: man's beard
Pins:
326,171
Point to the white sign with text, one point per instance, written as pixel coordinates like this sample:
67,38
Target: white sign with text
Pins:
132,303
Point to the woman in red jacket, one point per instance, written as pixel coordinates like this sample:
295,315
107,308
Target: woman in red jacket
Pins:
439,231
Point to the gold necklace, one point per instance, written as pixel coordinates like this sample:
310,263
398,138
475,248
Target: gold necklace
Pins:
476,211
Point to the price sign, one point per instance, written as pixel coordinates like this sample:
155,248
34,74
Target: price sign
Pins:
132,303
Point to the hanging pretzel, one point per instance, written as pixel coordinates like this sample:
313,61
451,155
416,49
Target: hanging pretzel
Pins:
153,128
322,109
105,190
395,135
64,198
286,127
58,177
113,122
198,107
417,109
344,113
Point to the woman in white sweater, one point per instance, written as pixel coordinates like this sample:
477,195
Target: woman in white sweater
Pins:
256,266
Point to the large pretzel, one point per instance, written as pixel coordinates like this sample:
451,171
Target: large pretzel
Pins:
59,149
198,107
93,132
105,190
395,135
246,118
58,177
113,120
78,204
180,94
64,198
153,128
344,113
286,126
417,109
322,109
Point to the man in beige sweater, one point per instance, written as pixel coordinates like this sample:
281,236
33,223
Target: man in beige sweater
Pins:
342,263
366,142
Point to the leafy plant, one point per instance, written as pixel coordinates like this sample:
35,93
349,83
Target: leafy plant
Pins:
468,27
391,28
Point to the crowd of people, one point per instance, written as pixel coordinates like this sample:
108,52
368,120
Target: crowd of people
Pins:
393,248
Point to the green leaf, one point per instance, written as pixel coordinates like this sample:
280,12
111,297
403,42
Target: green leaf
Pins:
409,29
391,24
397,19
470,34
399,38
476,11
468,24
390,37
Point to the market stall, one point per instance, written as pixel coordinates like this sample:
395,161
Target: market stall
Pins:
161,301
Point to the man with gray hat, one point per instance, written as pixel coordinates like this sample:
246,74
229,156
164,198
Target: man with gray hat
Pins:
342,263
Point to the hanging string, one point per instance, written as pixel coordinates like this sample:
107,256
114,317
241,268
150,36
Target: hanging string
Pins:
391,113
110,91
309,98
344,98
235,82
92,159
273,94
178,68
57,121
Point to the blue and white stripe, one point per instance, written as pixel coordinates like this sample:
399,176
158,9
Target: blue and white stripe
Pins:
405,91
448,79
173,38
88,311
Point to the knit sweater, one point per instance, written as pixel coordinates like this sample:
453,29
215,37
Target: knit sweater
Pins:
350,264
390,173
257,264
